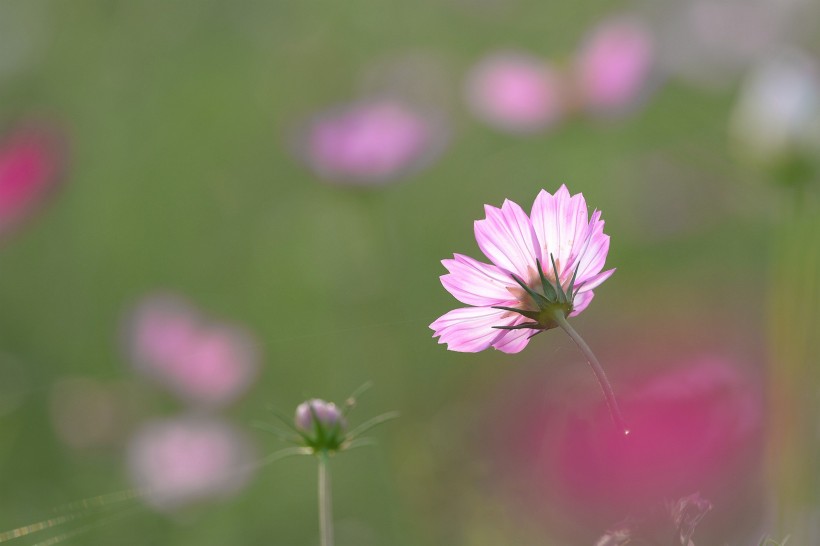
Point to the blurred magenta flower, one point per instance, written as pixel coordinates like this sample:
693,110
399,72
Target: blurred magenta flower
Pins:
614,65
183,460
523,280
32,159
697,427
515,92
370,142
202,361
778,113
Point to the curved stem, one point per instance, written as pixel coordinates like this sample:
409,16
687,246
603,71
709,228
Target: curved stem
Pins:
597,369
325,502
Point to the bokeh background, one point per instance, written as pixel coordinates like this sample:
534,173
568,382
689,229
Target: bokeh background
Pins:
213,163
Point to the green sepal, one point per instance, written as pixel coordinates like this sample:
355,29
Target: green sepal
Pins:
549,290
572,283
326,439
532,325
540,299
529,314
562,297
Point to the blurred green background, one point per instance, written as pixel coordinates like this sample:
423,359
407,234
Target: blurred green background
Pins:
181,179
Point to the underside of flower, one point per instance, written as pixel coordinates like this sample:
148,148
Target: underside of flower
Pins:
541,307
544,267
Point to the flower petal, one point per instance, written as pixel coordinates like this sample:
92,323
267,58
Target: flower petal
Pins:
580,302
476,283
591,255
560,223
594,281
514,341
470,329
506,237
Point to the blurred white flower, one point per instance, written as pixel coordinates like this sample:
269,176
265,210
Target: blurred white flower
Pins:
778,113
710,43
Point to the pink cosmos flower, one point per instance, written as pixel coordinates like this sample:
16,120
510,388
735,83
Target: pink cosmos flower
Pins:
371,142
201,361
184,460
542,264
614,64
515,92
31,162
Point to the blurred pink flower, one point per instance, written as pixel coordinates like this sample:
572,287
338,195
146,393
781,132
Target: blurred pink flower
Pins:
31,164
694,428
515,92
183,460
559,227
614,64
372,141
201,361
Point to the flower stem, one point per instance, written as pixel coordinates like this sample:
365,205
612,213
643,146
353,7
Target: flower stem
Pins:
325,502
597,369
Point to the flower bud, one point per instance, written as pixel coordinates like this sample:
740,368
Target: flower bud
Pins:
328,415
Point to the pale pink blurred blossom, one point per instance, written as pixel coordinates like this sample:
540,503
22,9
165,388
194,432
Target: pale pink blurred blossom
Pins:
516,92
199,359
184,460
371,142
32,161
614,65
558,227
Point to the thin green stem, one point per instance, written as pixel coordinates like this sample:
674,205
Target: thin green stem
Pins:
325,502
597,369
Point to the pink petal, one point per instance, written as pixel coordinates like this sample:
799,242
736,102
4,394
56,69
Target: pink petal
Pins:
593,258
581,302
560,223
514,341
470,329
476,283
594,281
506,237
